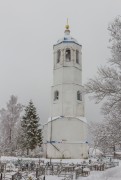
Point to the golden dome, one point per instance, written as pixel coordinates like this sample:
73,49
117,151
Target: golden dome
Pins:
67,25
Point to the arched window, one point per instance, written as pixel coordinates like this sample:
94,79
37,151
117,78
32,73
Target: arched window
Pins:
68,55
56,95
79,96
77,56
58,56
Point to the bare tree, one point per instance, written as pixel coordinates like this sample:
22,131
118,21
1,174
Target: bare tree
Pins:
106,88
107,84
10,120
99,136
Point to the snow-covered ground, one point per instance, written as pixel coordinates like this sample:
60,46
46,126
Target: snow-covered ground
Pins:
109,174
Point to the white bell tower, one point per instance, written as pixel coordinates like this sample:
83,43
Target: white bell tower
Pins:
67,127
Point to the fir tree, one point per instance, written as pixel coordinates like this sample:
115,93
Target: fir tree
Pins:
32,134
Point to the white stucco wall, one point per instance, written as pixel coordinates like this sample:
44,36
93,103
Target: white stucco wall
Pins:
67,74
67,104
71,151
68,135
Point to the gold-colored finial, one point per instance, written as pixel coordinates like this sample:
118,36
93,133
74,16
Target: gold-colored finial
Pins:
67,25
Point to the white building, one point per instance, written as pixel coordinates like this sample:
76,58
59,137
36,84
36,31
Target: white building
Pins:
67,127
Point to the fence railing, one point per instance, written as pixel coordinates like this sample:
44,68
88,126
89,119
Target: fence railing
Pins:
65,170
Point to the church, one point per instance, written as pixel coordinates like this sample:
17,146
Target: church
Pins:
67,126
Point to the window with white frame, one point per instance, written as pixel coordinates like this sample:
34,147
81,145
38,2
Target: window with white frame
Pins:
56,95
79,96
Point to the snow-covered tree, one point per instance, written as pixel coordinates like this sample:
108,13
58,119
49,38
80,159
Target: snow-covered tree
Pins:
31,132
10,121
106,86
102,137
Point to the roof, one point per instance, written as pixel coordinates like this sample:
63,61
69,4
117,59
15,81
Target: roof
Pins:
83,119
67,38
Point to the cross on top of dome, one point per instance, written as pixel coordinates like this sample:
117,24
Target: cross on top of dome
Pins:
67,31
67,25
67,37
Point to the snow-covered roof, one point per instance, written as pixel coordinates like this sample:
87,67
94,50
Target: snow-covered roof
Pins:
81,118
118,153
67,38
53,118
68,142
95,152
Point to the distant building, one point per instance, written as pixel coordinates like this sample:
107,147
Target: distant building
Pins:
67,126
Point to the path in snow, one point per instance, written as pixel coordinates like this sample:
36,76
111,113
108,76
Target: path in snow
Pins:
110,174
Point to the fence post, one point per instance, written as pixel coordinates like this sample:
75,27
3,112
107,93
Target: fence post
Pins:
1,176
36,172
74,175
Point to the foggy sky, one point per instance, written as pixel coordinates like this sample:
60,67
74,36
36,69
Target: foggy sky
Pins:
28,30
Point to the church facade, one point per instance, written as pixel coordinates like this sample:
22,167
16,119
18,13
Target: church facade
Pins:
67,126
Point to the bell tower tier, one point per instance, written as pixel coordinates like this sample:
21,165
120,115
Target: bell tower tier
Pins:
67,127
67,90
67,63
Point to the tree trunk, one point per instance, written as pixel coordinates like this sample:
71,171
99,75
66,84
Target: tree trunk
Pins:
10,135
114,149
27,151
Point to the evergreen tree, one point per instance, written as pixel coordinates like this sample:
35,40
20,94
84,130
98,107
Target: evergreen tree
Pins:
32,134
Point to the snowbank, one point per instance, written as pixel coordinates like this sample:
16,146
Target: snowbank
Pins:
95,152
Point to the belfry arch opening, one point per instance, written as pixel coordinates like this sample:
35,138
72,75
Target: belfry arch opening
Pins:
68,55
77,56
58,56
